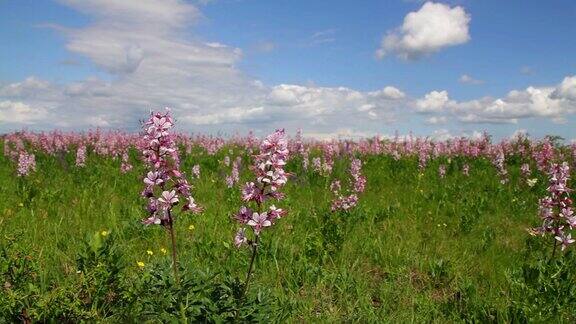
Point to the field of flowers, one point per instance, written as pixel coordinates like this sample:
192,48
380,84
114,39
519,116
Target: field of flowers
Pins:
163,226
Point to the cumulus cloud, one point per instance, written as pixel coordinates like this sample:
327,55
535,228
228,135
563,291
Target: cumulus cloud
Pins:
555,103
433,27
20,113
566,89
434,101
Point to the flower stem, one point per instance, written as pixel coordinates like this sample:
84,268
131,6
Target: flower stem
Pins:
174,252
553,250
248,275
254,252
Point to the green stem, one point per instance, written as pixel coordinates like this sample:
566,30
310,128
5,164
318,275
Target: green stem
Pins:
553,250
248,275
174,252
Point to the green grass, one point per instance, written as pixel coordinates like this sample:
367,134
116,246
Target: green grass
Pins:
417,248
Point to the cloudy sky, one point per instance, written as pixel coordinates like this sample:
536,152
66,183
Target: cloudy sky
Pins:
338,68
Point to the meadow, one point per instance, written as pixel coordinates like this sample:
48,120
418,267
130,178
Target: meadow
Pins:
439,234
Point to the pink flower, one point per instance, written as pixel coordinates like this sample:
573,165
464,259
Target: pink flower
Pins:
335,187
153,178
160,153
275,213
259,221
251,192
196,171
244,215
81,156
240,237
26,163
442,170
345,203
565,240
270,178
168,198
191,205
555,210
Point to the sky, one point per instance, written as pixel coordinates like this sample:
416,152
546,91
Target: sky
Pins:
334,69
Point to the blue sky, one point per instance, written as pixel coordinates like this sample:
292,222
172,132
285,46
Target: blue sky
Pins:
335,69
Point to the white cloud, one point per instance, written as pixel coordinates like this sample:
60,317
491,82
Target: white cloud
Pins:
434,101
389,92
566,89
20,113
433,27
314,102
466,79
436,120
555,103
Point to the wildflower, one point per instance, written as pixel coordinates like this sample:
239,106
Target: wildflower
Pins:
163,250
140,264
149,252
565,240
525,170
270,178
466,169
555,209
346,202
26,164
499,161
196,171
442,170
244,215
531,182
125,166
240,237
191,227
259,221
104,233
169,198
81,156
164,182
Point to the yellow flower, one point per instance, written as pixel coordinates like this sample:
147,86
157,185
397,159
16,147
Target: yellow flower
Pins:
163,250
191,227
140,264
104,233
149,252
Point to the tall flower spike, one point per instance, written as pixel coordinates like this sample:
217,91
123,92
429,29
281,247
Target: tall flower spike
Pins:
164,183
358,184
556,211
270,176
